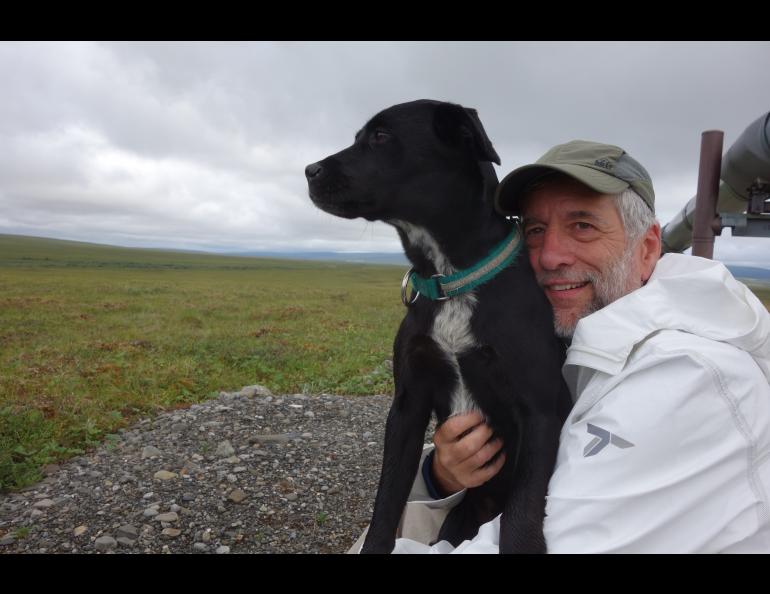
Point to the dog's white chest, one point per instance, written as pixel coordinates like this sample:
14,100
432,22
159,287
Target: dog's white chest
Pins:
452,332
452,325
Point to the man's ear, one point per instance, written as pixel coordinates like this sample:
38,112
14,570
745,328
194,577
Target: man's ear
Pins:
650,251
458,125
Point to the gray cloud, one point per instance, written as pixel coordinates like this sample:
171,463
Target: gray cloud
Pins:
204,144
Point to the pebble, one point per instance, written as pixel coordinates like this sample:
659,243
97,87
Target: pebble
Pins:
237,496
128,531
225,450
105,543
165,475
151,452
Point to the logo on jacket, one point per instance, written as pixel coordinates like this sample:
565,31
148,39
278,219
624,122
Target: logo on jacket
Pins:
602,439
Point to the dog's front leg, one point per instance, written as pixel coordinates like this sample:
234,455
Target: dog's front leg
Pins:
420,372
404,436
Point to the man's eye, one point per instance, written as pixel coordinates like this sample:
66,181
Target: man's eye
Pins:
530,231
581,226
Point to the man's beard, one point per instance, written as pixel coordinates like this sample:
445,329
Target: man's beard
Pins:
609,285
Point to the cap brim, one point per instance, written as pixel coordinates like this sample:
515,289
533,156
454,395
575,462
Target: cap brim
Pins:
512,186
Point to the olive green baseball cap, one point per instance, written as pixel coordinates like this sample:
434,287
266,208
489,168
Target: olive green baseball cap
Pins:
603,167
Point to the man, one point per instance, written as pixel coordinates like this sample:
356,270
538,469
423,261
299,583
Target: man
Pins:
667,448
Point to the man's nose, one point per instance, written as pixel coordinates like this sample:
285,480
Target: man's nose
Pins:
555,251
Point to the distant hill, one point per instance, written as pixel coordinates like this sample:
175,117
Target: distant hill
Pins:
360,257
26,251
750,273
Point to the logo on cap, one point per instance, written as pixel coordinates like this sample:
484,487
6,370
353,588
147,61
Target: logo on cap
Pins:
603,163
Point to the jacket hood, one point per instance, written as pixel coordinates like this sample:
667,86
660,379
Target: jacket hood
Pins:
686,293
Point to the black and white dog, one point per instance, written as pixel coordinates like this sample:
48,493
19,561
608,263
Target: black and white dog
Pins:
483,341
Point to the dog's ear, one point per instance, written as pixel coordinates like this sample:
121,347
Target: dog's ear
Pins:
456,124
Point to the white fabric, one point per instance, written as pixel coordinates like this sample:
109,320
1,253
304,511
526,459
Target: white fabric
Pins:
679,369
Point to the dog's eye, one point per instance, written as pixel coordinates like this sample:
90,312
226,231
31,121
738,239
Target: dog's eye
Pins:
380,136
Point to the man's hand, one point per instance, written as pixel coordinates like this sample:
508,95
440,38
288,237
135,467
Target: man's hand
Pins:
461,452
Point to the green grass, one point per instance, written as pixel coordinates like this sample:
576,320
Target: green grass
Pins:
93,337
762,292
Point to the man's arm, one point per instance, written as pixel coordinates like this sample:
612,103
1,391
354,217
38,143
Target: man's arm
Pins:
662,462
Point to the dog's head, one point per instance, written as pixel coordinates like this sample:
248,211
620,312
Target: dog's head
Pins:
406,152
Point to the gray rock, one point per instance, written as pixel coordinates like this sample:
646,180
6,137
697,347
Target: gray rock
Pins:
201,547
128,531
105,543
169,517
271,438
151,452
237,496
255,390
223,550
225,450
51,469
44,504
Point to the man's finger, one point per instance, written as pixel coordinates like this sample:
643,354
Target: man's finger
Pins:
453,428
483,474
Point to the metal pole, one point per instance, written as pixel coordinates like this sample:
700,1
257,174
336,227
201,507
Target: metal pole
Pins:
708,192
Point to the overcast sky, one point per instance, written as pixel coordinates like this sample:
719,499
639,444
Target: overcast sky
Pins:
204,145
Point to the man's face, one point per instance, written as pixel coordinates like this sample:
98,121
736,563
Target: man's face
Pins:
577,247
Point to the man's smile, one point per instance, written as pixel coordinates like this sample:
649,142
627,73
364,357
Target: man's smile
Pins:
564,293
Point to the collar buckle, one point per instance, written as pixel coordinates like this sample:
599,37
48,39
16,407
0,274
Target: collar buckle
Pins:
439,289
404,284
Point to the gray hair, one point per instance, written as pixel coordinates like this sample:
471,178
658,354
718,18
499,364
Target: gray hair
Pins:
636,216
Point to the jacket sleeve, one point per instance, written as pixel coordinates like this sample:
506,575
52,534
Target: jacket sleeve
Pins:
423,515
662,461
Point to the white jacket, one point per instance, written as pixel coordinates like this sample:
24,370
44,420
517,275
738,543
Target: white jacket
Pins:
667,448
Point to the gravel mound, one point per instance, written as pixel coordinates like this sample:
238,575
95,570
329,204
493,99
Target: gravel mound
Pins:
247,472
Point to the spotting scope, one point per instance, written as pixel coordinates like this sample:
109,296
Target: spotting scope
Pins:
744,191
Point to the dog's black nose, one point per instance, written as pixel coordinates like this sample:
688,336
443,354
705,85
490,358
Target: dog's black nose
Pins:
313,170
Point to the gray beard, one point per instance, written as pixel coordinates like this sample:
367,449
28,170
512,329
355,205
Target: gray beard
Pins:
609,286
